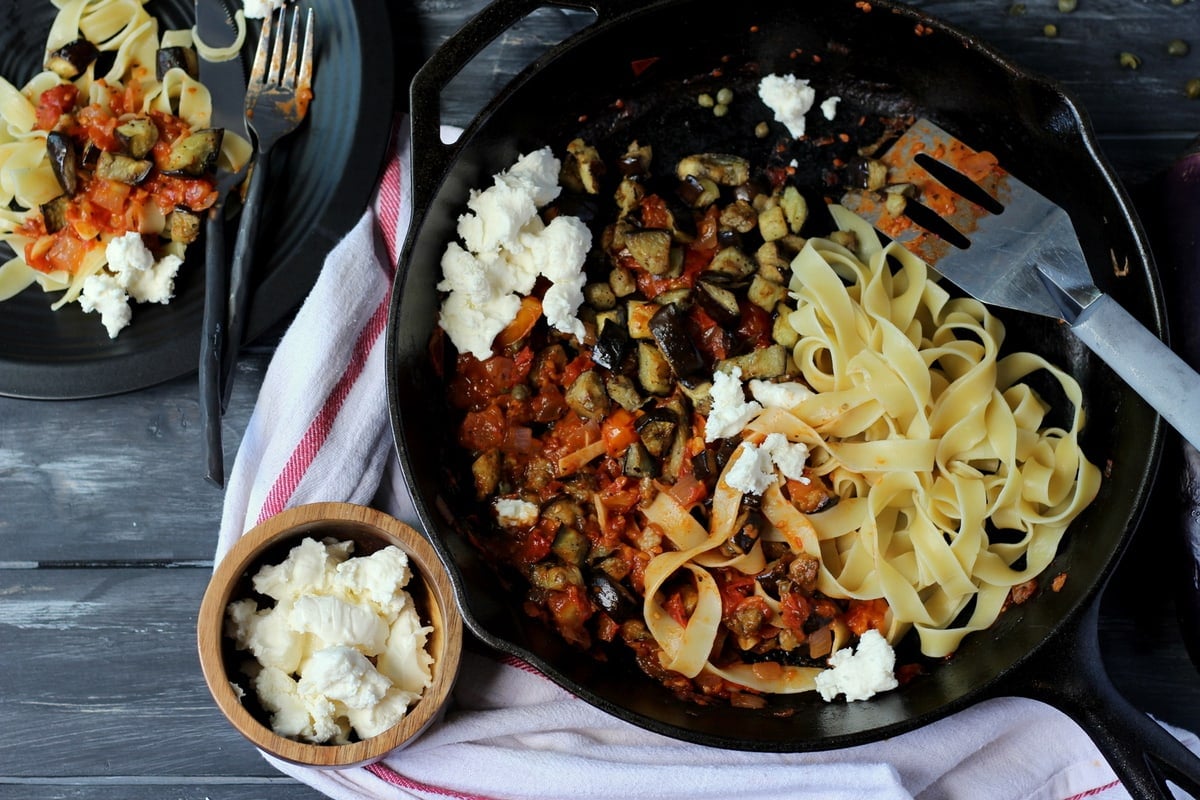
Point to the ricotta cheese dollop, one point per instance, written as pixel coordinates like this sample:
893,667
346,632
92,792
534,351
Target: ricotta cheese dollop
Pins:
505,246
861,673
131,274
342,651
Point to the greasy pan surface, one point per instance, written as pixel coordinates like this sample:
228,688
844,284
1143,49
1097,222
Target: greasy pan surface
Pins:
879,64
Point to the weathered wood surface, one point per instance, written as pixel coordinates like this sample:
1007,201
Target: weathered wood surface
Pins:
107,527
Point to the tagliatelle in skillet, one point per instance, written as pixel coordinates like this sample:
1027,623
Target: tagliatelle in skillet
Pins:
107,161
751,471
930,440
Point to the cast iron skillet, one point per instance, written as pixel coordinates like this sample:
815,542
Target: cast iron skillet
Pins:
877,61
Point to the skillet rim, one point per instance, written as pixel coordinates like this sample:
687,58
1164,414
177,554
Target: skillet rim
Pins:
1079,124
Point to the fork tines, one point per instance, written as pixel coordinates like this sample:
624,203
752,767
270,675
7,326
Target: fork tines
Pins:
284,71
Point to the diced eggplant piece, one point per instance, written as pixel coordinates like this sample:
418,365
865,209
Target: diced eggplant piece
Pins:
486,472
699,393
766,294
622,282
555,577
612,346
698,192
184,58
638,463
651,249
681,297
656,429
61,149
639,313
623,392
847,239
195,155
54,213
583,168
628,195
733,262
673,462
570,545
121,168
795,208
654,373
682,220
671,333
720,303
771,261
766,362
138,136
782,331
739,216
721,168
611,596
704,466
895,203
867,173
586,395
635,163
182,225
564,510
600,296
70,60
772,223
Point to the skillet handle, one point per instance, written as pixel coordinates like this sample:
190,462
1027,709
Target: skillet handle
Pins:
431,157
1153,370
1068,673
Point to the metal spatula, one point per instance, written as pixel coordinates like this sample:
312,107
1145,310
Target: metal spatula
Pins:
1007,245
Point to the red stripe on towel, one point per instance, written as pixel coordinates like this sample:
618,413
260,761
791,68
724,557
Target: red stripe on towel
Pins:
318,431
386,773
1094,792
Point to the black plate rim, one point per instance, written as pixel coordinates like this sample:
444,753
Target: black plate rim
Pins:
282,289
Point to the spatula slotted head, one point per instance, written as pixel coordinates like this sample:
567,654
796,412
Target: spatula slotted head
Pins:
980,227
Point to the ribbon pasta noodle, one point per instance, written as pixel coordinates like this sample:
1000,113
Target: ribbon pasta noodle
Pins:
929,437
129,87
895,476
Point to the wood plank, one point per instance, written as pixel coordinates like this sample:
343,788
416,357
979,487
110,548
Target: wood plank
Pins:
115,478
281,788
102,678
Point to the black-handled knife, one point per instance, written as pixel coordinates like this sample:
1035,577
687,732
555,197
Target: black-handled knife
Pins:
226,83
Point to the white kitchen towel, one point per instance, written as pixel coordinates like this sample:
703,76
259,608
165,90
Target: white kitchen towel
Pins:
320,432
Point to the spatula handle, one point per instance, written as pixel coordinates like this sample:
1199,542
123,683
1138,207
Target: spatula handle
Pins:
1151,369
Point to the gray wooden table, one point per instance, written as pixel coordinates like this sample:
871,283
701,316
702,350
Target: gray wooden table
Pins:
107,527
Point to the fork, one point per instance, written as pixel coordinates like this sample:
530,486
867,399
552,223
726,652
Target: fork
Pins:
277,98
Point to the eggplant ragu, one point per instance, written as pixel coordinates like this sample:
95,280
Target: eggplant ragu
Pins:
688,277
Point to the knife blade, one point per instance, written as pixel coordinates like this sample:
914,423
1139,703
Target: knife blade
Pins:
226,83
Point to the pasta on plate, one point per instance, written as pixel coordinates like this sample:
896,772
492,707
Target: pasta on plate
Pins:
96,148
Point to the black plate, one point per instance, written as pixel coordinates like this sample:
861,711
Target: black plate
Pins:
322,180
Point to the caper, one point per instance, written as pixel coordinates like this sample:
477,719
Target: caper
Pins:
1016,10
1177,47
705,100
761,130
1129,60
1050,30
1067,6
725,96
1192,88
720,110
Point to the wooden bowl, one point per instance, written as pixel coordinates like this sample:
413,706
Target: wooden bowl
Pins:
269,543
